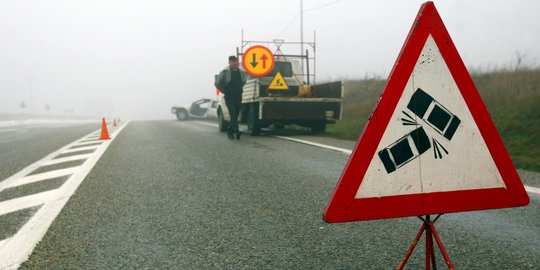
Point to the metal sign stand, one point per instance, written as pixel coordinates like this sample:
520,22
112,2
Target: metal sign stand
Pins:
429,227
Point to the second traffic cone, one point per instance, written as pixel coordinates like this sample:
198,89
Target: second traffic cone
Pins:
114,123
104,131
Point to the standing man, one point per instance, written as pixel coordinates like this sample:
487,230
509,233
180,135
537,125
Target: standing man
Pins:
230,82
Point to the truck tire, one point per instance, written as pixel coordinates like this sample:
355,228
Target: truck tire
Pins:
222,124
318,126
253,123
182,115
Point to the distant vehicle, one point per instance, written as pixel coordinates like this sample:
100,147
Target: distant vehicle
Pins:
405,149
200,109
312,106
433,113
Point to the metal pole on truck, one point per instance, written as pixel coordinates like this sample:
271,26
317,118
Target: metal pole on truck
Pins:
302,33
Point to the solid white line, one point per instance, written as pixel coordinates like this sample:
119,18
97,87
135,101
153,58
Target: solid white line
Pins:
66,159
20,203
320,145
80,149
17,249
532,189
207,124
329,147
40,177
344,150
2,242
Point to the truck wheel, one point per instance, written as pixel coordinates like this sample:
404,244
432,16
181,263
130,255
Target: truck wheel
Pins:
182,115
318,127
253,123
223,125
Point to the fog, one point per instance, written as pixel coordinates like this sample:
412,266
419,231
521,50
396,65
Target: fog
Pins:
135,59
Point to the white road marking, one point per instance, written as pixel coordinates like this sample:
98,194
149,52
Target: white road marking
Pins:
15,250
40,177
2,242
88,143
207,124
21,203
342,150
66,159
320,145
80,149
532,189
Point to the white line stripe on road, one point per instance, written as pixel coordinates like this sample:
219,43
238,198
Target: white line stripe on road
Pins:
21,203
206,123
320,145
343,150
66,159
34,166
40,177
532,189
16,250
81,143
80,149
89,141
2,242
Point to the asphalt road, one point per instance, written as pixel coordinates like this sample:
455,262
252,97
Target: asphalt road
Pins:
179,195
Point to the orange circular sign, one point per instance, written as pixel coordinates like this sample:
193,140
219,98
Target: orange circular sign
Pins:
258,61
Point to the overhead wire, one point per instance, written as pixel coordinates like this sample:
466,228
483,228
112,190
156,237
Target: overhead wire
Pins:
308,10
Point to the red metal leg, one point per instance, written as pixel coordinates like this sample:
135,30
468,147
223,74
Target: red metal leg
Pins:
433,262
441,247
429,243
411,248
431,233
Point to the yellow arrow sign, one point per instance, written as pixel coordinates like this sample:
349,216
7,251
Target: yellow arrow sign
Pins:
278,83
258,61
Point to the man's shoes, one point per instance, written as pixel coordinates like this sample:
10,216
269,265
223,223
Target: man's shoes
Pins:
230,135
238,135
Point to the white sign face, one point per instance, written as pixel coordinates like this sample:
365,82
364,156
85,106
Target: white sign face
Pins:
432,143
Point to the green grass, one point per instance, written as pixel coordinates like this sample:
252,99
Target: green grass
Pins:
511,97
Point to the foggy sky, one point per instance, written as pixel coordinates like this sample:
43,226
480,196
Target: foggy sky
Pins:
134,59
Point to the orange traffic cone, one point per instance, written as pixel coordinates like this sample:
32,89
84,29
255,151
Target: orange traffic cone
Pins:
104,131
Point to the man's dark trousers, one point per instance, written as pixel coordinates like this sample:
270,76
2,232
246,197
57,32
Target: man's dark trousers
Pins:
233,102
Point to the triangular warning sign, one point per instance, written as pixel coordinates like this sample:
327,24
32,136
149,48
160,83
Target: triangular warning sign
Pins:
430,145
278,83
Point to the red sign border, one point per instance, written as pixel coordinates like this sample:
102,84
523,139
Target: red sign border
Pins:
253,73
344,207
